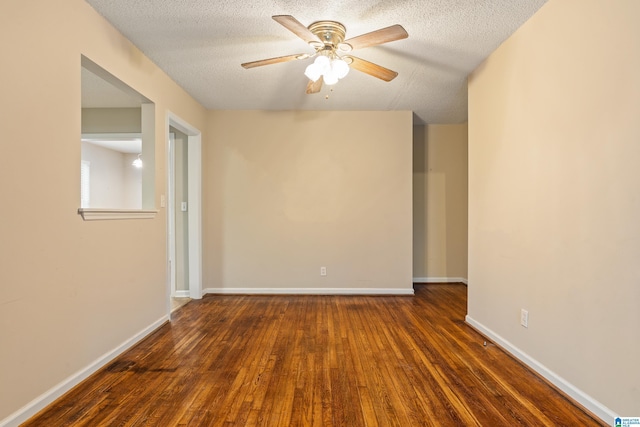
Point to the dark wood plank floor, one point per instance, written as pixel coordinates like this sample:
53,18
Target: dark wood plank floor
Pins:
316,361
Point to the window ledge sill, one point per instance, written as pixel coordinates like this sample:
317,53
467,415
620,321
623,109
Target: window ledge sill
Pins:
95,214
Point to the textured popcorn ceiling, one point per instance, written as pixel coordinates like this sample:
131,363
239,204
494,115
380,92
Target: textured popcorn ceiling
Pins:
201,45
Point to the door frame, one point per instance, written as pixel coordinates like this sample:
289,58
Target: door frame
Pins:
194,213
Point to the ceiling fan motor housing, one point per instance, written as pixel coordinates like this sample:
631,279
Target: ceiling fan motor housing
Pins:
331,33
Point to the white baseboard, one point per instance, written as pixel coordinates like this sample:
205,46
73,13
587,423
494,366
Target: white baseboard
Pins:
309,291
592,405
181,294
40,402
440,280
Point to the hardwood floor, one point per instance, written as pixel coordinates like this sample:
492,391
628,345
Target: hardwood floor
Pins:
177,302
316,361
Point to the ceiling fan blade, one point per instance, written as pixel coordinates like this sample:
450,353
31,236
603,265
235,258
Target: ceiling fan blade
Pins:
276,60
314,87
384,35
293,25
372,69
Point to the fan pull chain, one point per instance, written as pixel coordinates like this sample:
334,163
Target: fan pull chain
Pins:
327,95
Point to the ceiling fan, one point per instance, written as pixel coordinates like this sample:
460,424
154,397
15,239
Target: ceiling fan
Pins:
331,51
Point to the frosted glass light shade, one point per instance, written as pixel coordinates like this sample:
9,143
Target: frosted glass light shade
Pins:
313,72
340,68
323,63
330,78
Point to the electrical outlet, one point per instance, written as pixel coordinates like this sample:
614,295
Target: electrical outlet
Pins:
524,318
323,271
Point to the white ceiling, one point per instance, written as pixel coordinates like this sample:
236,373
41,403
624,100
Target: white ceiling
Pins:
201,44
123,143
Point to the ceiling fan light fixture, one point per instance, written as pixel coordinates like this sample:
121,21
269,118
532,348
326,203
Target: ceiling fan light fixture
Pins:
331,70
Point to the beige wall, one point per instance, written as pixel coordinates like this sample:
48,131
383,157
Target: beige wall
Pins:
288,192
440,203
554,149
70,291
111,120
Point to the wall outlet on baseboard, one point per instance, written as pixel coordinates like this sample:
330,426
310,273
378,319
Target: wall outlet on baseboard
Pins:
323,271
524,318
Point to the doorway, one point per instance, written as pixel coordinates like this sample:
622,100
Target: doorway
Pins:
177,210
184,241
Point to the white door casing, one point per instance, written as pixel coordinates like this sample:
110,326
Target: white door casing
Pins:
194,161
